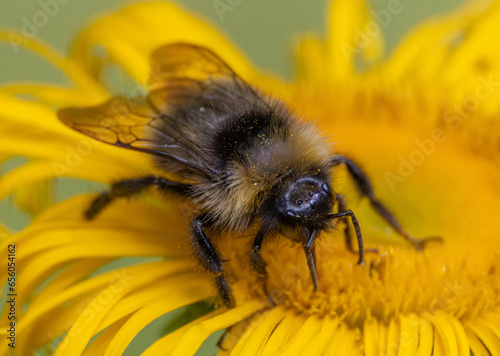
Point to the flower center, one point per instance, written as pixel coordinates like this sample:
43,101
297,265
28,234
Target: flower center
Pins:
396,280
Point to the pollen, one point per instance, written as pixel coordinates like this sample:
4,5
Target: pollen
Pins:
412,297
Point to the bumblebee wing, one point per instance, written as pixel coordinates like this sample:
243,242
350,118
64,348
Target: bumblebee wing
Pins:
191,90
196,88
182,60
214,85
133,124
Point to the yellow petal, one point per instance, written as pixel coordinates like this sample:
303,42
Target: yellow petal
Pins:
283,332
256,333
158,291
52,95
100,344
438,347
318,343
446,335
194,337
439,34
84,327
310,55
476,346
344,342
66,279
408,344
161,23
35,197
91,87
185,295
348,23
383,332
297,346
460,335
125,278
487,333
67,149
166,344
88,323
371,336
426,338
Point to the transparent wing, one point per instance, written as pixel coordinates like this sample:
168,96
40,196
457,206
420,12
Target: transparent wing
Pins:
133,124
184,79
181,60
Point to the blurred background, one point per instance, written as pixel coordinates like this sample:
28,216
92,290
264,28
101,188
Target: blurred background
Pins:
264,30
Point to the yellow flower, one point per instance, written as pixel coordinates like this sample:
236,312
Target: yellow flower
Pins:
424,122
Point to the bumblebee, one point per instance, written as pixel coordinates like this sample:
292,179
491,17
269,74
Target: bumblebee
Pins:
242,158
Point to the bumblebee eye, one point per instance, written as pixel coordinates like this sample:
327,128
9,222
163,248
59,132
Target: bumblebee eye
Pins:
306,198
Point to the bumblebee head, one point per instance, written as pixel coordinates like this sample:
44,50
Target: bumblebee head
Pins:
306,199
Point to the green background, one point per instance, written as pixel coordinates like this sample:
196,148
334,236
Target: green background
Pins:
263,29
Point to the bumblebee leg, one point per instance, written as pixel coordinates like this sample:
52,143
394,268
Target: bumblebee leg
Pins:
366,190
361,251
211,261
130,187
347,233
311,258
257,263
